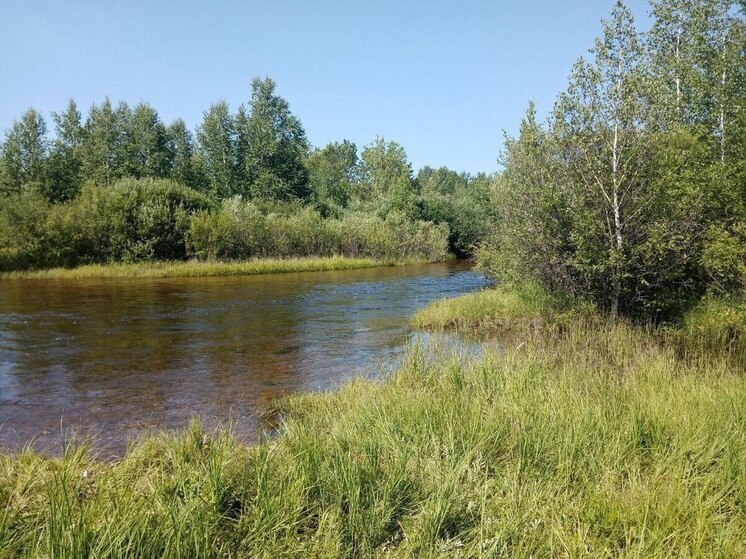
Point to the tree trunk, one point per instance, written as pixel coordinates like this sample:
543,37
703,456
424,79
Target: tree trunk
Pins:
722,113
616,203
678,76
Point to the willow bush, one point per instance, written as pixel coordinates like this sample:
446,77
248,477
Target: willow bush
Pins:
240,230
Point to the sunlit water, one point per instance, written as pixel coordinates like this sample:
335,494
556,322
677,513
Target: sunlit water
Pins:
117,357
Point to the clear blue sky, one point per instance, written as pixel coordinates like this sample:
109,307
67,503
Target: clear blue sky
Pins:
443,78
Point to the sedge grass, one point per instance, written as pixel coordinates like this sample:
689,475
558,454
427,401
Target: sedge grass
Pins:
194,268
501,309
585,444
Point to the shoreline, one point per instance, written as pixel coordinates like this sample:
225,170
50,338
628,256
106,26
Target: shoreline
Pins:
198,268
563,431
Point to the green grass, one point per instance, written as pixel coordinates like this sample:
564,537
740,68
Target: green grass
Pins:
500,309
597,443
717,324
193,268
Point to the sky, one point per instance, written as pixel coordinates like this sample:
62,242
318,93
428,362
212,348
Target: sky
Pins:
443,78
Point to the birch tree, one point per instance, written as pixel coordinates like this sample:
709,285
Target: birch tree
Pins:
217,144
24,152
599,122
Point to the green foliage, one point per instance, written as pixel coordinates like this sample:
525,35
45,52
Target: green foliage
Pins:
461,201
241,230
186,168
332,174
64,168
633,195
148,145
217,143
275,146
131,220
104,149
716,324
325,202
724,257
22,229
24,152
386,177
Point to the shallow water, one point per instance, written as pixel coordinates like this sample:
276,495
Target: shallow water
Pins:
114,358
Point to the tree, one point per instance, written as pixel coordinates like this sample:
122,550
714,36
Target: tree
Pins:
276,146
104,150
461,201
24,152
185,167
148,153
332,173
217,145
600,124
386,176
672,45
65,161
532,239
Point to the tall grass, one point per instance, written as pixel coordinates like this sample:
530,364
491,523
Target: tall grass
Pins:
501,309
716,324
585,444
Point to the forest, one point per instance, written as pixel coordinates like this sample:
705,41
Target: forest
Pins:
121,186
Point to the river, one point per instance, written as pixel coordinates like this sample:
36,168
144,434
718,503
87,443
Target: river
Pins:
115,358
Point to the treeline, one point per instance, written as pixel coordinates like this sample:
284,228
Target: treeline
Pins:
122,185
633,193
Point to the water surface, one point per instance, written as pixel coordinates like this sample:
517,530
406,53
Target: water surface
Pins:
116,357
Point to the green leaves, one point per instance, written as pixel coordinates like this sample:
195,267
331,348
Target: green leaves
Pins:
633,196
275,146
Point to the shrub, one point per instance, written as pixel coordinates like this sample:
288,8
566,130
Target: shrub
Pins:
132,220
241,230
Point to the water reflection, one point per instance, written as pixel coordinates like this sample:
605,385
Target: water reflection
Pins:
119,356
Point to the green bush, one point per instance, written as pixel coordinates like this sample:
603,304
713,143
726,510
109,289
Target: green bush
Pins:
241,230
132,220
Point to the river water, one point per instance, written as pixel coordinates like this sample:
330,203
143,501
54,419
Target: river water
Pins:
115,358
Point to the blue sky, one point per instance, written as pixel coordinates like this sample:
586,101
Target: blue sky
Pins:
443,78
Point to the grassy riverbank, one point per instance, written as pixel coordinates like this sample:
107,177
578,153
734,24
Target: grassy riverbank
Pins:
194,268
578,443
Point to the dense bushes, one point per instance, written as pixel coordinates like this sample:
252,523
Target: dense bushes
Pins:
130,221
144,220
633,193
241,230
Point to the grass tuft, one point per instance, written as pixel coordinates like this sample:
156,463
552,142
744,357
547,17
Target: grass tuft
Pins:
500,309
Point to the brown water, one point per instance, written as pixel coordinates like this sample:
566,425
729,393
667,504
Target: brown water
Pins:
117,357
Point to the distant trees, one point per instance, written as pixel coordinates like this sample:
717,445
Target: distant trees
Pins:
119,184
630,193
217,144
66,159
333,173
460,200
275,146
24,152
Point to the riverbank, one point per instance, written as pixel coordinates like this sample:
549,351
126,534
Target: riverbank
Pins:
593,443
195,268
